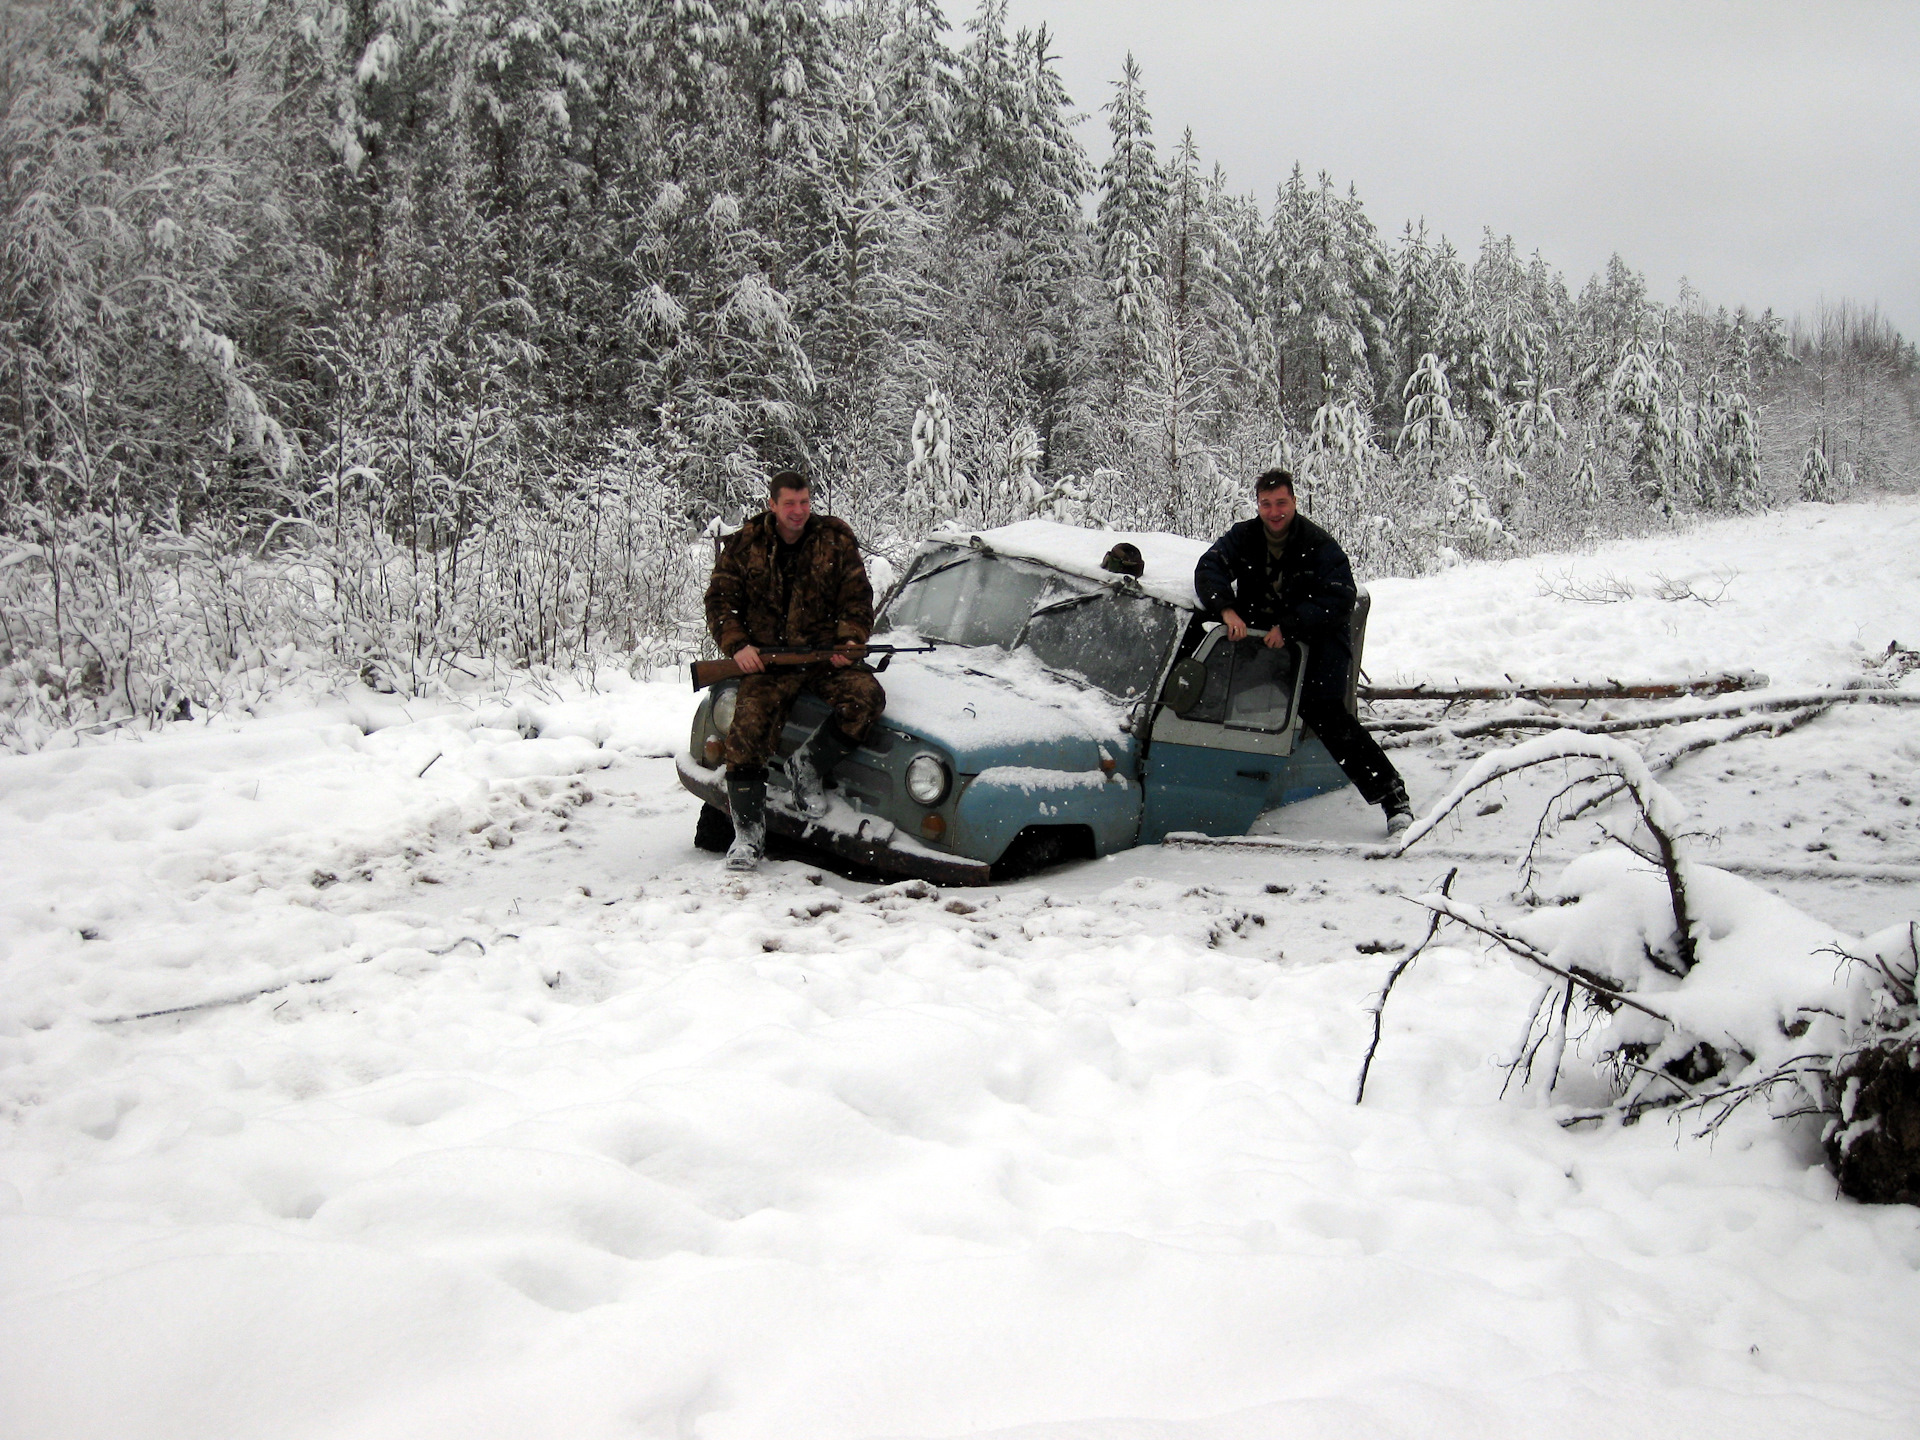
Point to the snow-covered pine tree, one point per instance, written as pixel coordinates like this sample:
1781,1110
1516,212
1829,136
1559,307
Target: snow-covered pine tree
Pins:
1056,272
1133,192
707,322
1132,206
1509,338
1816,471
1333,287
990,154
937,489
1016,259
1608,320
1740,446
1177,397
1637,396
919,65
1249,422
862,277
1428,422
152,270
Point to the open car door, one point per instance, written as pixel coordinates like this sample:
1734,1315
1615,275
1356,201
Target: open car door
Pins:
1227,741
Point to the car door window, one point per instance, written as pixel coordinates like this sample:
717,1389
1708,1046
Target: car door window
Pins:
1249,686
1261,696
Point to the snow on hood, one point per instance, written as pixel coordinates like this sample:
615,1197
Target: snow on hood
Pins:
1169,558
988,707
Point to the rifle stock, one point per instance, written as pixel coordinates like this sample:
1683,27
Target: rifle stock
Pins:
712,672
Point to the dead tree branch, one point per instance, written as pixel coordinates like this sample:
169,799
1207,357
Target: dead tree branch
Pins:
1380,1004
1774,726
1595,690
1472,919
1626,766
1401,733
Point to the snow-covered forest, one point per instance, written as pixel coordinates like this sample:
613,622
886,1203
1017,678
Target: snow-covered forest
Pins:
399,338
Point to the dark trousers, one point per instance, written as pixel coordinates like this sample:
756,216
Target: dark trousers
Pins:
1323,705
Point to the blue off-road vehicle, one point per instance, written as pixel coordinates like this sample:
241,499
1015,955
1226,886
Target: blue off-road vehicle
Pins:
1066,712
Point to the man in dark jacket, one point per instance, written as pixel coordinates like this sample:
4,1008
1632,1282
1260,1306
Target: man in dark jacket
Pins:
1283,573
790,580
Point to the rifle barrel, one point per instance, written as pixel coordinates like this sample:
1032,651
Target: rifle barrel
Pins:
711,672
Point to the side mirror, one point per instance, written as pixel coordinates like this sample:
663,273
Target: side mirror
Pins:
1185,685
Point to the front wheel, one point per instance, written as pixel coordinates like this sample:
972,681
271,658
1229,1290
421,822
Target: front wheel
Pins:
713,830
1039,846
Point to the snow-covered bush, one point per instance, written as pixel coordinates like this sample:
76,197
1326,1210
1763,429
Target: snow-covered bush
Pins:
107,619
1684,986
102,618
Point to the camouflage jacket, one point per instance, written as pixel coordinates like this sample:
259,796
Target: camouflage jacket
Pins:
828,600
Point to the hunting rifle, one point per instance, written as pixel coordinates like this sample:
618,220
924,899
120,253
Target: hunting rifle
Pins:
712,672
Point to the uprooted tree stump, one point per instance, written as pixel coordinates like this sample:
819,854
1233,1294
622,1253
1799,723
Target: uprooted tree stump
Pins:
1873,1147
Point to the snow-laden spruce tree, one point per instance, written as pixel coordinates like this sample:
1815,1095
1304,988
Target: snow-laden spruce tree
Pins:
1133,191
1177,397
1331,289
1816,471
1131,211
866,286
1428,311
937,491
153,264
1015,262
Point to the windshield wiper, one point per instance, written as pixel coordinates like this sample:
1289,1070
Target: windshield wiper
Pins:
919,575
1065,602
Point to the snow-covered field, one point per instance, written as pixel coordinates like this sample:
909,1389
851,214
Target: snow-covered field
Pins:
401,1071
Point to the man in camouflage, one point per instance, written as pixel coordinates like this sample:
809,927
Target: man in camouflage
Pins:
790,580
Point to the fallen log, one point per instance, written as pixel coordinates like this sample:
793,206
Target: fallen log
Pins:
1411,732
1773,725
1906,872
1593,690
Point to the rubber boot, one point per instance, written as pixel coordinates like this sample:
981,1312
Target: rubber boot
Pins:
747,799
812,764
1398,807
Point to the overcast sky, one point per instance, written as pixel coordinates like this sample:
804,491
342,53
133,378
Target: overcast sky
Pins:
1768,152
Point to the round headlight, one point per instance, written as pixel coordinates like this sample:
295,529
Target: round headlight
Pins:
723,704
928,779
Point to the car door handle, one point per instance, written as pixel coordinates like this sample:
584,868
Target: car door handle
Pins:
1260,775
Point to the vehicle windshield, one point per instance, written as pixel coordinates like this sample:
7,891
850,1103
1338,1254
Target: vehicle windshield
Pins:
1078,627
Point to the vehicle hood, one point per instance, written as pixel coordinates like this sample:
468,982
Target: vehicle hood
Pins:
988,708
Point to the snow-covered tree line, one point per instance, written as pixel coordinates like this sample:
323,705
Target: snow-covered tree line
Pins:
420,334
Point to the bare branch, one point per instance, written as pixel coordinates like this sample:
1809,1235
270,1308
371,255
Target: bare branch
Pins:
1401,733
1632,772
1471,917
1380,1004
1774,726
1593,690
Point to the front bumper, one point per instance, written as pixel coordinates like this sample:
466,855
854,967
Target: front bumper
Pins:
848,833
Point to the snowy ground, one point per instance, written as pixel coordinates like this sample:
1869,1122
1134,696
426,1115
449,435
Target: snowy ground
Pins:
479,1104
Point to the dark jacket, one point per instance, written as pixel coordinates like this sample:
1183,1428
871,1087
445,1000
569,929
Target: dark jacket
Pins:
1316,582
827,601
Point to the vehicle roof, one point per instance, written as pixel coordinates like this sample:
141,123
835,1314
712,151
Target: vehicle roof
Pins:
1078,551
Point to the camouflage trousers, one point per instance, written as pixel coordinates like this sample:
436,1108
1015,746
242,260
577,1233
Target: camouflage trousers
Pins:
761,711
